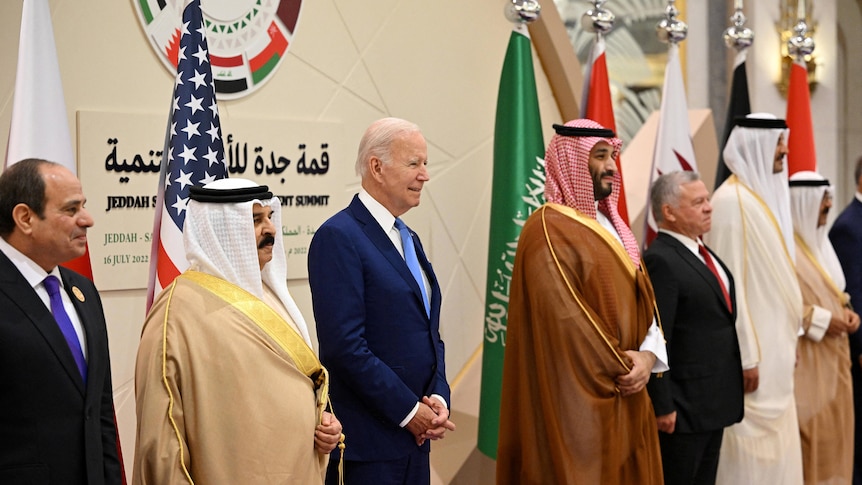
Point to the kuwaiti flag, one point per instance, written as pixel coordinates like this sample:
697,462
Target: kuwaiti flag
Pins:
673,148
193,154
800,147
738,107
518,188
40,128
599,107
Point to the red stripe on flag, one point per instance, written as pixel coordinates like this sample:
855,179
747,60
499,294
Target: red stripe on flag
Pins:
166,269
234,61
277,45
600,108
81,264
801,154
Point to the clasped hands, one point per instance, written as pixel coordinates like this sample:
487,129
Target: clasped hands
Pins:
638,376
430,422
846,324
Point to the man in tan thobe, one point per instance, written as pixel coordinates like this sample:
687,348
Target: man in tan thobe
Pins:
228,388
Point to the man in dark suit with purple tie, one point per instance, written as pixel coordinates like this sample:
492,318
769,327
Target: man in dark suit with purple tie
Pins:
846,238
56,404
377,307
702,392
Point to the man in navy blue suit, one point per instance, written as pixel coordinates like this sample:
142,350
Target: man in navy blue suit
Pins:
377,307
846,237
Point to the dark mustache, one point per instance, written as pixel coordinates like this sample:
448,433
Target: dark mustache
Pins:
267,240
607,173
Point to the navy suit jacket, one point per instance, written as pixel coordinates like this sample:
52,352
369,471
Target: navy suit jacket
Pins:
846,238
53,429
704,384
382,351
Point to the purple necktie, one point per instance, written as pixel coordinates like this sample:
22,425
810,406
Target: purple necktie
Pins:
52,284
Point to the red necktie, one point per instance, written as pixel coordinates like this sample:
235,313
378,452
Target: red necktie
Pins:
707,258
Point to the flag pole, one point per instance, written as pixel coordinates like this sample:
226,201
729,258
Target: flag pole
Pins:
738,37
801,154
518,186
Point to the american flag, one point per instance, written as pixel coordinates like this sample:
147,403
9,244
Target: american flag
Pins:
194,152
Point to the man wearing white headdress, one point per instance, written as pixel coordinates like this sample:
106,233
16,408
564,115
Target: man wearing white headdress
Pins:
228,387
752,232
824,387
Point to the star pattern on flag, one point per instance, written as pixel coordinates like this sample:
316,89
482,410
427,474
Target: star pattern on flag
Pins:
194,158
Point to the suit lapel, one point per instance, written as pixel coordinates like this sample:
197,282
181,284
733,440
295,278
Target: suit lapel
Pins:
697,265
19,292
381,240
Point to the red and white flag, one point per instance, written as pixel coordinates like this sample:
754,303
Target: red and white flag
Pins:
801,154
673,148
599,107
193,154
40,128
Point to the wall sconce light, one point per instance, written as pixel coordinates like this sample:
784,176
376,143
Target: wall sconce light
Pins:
795,28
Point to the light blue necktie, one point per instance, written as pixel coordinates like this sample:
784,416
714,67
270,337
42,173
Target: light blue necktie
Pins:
52,284
412,261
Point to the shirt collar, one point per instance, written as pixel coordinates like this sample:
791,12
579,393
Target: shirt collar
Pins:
32,272
378,212
859,196
686,241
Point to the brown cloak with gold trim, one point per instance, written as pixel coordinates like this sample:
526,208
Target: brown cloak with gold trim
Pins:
576,304
824,387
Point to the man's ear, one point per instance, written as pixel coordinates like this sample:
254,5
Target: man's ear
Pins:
666,212
375,167
24,217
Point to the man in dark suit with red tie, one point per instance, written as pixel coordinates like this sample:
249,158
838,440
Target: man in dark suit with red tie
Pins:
56,404
703,391
846,238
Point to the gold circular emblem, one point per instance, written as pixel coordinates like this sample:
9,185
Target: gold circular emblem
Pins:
78,294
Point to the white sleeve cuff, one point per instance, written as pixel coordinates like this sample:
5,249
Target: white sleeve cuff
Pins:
410,415
654,342
441,399
820,319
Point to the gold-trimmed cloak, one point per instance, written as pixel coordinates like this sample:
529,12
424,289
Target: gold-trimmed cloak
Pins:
824,387
219,401
576,304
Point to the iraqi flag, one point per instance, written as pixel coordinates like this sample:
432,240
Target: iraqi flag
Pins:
193,154
599,107
800,147
674,150
738,107
40,127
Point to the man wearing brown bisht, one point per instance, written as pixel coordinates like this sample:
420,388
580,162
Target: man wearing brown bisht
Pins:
824,388
582,337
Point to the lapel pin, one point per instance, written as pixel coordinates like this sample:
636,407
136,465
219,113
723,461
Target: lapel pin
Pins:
78,294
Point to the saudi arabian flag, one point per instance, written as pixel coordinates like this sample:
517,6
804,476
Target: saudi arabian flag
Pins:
518,189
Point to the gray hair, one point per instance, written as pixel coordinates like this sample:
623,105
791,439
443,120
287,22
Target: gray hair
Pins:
665,190
377,141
